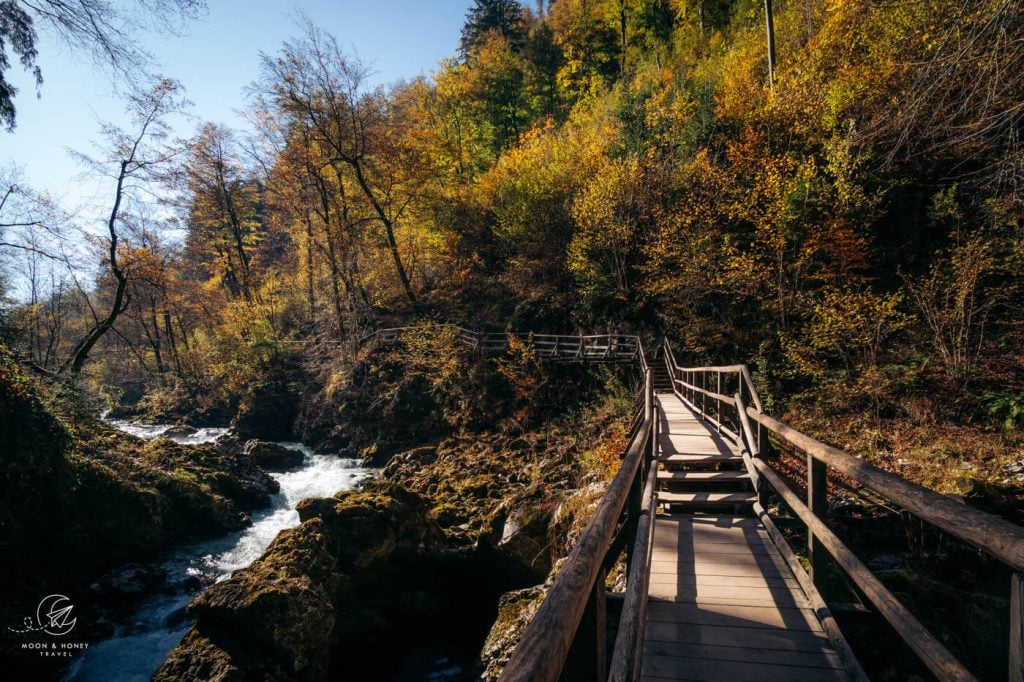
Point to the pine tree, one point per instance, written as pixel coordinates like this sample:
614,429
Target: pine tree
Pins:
503,16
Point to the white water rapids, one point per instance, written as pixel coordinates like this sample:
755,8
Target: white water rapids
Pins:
139,646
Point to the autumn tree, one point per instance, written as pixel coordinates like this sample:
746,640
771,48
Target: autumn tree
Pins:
222,207
319,205
608,212
133,157
497,84
314,85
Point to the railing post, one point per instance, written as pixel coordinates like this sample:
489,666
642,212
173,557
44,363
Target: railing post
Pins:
718,403
655,428
600,627
648,393
817,500
1016,627
748,437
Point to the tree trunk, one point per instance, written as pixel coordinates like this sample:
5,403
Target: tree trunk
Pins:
622,36
332,261
85,346
156,341
770,27
310,292
172,345
389,230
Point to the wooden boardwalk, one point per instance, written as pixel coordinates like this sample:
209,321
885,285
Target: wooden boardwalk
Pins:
723,604
713,590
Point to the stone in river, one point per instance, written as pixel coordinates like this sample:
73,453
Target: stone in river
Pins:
273,456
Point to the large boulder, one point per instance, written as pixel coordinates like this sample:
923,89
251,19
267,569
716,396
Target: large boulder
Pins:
273,456
328,580
525,535
229,444
234,477
76,504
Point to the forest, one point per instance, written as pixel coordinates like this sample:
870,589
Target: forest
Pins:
849,224
830,191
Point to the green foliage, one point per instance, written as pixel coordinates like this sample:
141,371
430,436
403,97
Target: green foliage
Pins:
501,17
18,31
608,212
1008,406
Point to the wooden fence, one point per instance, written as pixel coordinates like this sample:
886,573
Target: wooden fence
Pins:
580,347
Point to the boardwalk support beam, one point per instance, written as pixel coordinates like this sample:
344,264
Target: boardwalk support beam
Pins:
817,500
1017,627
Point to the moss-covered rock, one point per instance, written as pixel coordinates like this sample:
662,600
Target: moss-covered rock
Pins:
113,498
268,409
421,556
99,497
323,582
272,456
515,611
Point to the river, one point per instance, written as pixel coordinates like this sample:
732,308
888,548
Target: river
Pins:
140,644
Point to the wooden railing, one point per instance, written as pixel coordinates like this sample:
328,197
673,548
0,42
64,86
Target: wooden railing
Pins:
621,521
727,398
590,347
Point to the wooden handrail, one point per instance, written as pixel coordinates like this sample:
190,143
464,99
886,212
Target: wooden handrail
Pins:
711,394
930,650
625,665
750,449
542,651
744,377
722,368
544,647
751,388
1000,538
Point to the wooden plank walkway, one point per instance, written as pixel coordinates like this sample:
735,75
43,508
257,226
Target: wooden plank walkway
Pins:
722,602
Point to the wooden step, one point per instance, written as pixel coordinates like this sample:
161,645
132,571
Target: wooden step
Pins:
700,459
706,499
703,476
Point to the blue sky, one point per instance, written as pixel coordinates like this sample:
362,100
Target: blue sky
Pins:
215,59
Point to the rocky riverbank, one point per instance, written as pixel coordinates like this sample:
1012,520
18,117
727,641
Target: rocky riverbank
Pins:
487,481
78,498
403,579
